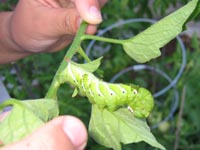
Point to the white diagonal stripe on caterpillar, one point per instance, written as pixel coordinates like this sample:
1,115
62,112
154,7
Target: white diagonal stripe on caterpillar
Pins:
90,91
82,84
71,73
96,82
122,89
109,90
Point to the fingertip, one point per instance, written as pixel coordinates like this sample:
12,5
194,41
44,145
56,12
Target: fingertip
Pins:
89,10
75,131
94,15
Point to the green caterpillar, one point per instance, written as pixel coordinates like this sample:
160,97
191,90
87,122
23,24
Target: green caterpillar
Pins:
108,95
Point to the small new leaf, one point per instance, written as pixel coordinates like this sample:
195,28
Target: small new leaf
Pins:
112,128
90,66
145,46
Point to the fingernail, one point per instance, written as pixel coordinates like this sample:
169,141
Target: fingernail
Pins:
95,13
76,132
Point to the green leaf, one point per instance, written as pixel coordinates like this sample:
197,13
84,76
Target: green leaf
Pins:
83,54
45,109
25,117
145,46
112,128
90,66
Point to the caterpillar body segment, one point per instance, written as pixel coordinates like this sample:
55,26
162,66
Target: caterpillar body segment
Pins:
143,104
92,91
111,96
74,76
107,95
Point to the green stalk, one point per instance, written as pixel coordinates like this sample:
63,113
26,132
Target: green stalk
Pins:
53,89
83,54
103,39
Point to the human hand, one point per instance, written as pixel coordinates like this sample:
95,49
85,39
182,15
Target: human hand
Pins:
62,133
50,25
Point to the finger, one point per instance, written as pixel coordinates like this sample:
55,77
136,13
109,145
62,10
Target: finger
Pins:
89,10
49,3
58,22
65,21
64,3
66,39
61,133
91,29
61,43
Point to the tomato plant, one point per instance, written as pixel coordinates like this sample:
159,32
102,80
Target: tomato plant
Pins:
109,127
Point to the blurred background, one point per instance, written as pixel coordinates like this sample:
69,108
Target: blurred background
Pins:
172,78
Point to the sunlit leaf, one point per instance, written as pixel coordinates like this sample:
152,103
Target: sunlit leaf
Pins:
145,46
25,117
45,109
113,128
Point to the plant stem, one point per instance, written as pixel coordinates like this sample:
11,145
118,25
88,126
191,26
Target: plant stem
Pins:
57,80
98,38
83,54
77,41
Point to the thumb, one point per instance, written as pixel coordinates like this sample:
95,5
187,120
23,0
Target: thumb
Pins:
64,132
63,21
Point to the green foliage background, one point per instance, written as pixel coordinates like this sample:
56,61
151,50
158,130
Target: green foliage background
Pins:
30,78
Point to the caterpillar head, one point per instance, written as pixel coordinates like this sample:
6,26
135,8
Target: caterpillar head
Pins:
142,104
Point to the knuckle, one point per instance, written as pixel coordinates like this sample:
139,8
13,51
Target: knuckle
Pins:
70,23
